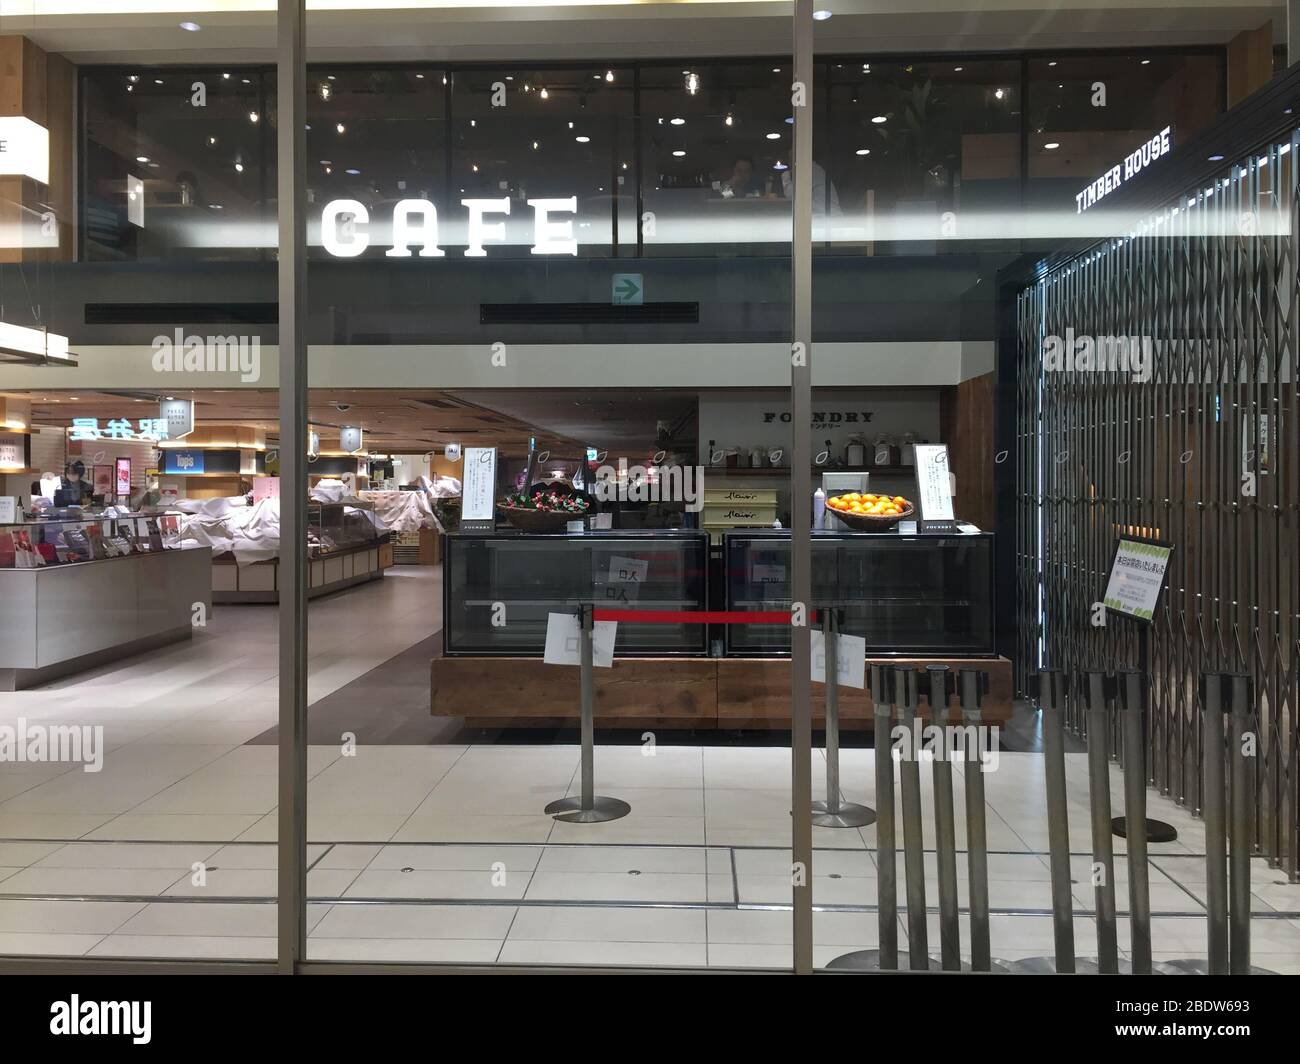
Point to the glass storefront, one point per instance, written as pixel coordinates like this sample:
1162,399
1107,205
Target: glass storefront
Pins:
564,556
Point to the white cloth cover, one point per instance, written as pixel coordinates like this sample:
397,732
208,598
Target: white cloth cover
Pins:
401,511
251,533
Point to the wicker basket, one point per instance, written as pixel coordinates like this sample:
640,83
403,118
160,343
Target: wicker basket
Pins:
527,519
871,522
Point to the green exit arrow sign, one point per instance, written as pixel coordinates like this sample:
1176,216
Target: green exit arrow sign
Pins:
628,289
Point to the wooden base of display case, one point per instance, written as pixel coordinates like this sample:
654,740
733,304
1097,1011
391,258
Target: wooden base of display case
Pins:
260,582
732,693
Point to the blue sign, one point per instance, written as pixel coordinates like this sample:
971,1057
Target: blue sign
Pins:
184,463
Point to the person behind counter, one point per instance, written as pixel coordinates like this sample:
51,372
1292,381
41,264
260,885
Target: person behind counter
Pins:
73,489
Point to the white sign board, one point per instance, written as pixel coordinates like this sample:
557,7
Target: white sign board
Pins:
1136,577
933,483
850,659
479,485
24,148
564,641
178,415
8,510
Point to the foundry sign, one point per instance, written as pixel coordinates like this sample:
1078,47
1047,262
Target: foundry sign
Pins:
1133,164
344,227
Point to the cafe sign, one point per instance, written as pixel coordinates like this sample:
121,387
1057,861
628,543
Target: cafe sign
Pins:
1133,164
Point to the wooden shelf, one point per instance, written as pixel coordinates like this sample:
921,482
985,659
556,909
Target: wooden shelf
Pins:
890,471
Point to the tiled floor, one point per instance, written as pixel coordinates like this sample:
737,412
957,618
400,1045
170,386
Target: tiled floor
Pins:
442,852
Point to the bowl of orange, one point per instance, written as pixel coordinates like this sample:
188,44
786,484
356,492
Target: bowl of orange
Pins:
869,511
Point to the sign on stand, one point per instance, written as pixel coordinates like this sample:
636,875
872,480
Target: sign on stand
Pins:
564,641
934,488
479,490
850,659
1137,576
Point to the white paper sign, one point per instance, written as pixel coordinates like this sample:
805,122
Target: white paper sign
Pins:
933,485
8,510
622,582
563,641
850,659
24,148
1136,576
479,486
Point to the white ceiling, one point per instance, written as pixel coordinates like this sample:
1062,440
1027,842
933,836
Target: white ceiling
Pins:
96,31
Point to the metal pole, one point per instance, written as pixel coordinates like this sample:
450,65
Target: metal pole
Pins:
945,829
291,155
834,813
905,699
886,858
801,490
977,847
1103,852
1132,708
1242,808
1051,698
1213,809
589,807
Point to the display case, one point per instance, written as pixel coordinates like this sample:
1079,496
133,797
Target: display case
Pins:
499,587
335,526
66,540
907,595
76,592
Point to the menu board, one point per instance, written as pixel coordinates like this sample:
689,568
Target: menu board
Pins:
1137,574
933,483
479,487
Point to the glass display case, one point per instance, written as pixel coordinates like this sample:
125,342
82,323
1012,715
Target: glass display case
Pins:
67,540
335,526
917,594
499,587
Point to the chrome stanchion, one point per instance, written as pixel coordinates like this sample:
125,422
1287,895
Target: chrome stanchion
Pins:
905,700
834,812
885,958
588,807
1051,700
1103,853
945,829
1213,807
1242,797
972,685
1131,691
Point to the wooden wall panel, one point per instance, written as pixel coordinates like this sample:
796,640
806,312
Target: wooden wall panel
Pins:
966,413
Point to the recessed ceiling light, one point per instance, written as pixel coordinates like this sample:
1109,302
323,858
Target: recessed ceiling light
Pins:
999,93
821,15
679,153
779,165
958,70
1052,63
191,27
216,206
340,128
773,136
879,119
677,121
863,151
1216,158
354,172
239,168
583,140
142,158
1145,62
1052,145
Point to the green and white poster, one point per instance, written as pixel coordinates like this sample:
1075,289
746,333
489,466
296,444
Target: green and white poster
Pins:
1136,576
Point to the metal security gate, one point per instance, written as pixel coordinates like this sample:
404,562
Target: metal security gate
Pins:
1189,437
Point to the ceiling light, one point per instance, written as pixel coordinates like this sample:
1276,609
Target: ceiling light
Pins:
1145,62
609,75
863,151
354,172
729,120
692,83
773,136
958,70
142,158
1052,63
779,165
340,128
1052,145
678,153
253,116
583,140
535,145
821,15
1216,158
34,345
999,93
879,120
191,27
544,94
677,121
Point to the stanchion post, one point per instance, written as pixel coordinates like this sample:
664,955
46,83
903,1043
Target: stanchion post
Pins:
882,682
973,685
945,829
1099,694
905,701
1131,690
1051,699
588,807
1242,794
835,813
1214,704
